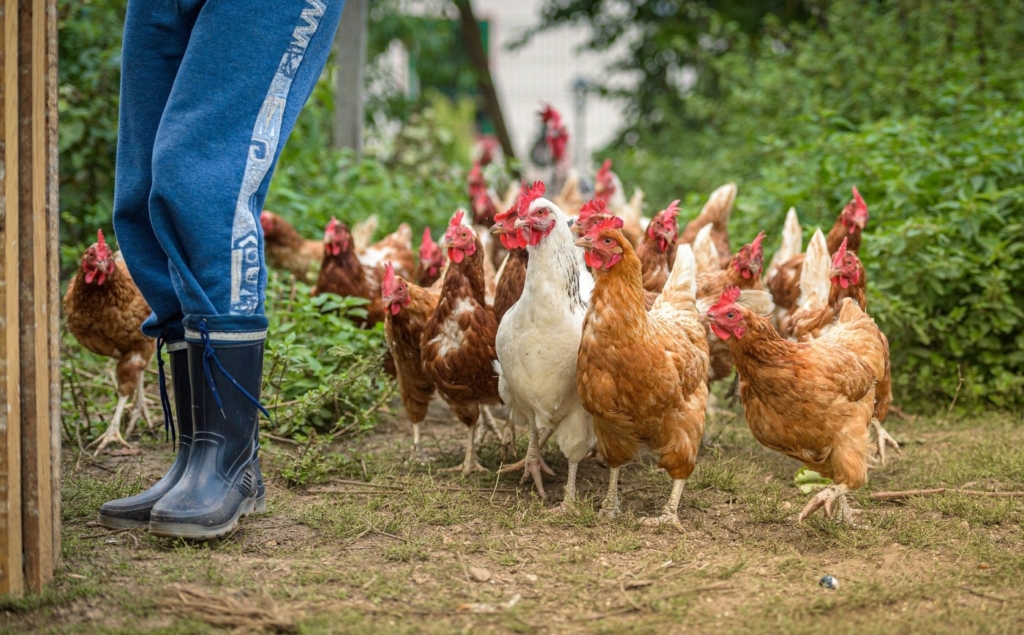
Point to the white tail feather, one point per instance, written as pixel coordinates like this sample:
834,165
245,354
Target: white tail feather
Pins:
719,205
792,242
814,277
759,302
682,280
704,251
363,231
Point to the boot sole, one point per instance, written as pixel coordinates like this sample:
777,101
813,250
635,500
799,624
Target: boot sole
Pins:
199,532
121,523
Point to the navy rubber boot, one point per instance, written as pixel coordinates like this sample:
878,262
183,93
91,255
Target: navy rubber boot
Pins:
134,510
222,480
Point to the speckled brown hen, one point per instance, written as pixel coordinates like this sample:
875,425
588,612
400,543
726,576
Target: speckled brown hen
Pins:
407,310
457,344
657,250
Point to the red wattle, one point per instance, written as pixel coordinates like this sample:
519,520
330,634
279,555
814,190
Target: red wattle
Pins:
721,333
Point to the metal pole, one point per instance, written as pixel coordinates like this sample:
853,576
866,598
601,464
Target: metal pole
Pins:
350,62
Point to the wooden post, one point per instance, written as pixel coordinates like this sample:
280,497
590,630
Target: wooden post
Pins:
350,63
29,375
12,579
478,56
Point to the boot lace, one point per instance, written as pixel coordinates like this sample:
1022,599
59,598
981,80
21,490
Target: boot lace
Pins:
165,401
209,354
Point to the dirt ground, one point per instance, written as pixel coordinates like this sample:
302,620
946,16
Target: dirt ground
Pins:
388,544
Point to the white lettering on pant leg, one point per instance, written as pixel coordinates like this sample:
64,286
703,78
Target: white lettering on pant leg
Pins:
245,253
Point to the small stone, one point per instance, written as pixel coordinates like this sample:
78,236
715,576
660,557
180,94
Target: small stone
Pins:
829,582
479,574
786,505
532,579
270,543
984,565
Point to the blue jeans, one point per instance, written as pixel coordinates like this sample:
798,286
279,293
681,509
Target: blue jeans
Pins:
210,91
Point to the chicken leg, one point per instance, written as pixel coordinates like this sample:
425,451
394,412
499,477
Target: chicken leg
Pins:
490,425
610,507
533,463
113,432
670,512
569,494
883,439
469,464
417,445
833,499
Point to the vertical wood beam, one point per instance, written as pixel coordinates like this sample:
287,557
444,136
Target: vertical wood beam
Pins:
53,269
11,574
36,470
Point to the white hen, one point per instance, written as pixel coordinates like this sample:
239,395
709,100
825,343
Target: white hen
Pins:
538,339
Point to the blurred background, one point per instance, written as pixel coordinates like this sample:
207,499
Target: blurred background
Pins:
916,102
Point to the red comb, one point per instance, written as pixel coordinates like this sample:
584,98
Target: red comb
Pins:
457,219
606,167
672,210
427,238
857,197
729,296
387,284
756,245
591,208
609,223
549,114
529,195
99,237
837,260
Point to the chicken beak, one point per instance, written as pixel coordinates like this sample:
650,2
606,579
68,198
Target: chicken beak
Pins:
835,273
445,243
497,229
584,242
521,222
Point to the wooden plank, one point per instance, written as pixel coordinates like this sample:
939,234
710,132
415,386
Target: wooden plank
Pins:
11,572
36,470
53,268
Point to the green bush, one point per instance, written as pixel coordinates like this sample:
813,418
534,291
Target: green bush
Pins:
926,121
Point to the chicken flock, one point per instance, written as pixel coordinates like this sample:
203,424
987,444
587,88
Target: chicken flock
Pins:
592,324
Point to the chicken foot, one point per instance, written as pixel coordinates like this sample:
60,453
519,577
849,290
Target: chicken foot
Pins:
883,439
670,512
533,463
833,499
610,507
469,464
113,432
569,494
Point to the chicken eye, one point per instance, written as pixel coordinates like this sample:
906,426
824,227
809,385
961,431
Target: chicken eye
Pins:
608,241
730,315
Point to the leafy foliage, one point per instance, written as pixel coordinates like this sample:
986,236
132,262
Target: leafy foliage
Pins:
916,103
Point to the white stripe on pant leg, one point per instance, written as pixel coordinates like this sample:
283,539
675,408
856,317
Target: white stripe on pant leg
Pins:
245,253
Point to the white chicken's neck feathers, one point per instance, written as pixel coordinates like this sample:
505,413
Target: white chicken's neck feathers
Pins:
555,258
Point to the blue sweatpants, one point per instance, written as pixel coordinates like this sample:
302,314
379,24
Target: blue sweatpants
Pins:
210,91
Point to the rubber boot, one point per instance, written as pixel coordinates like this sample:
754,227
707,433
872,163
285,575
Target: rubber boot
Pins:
134,510
222,480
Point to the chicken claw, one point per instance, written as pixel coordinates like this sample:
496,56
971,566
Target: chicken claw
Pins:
883,439
533,463
670,512
469,464
113,433
834,495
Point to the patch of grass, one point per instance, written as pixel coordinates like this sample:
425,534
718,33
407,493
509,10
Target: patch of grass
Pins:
769,505
715,472
82,496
